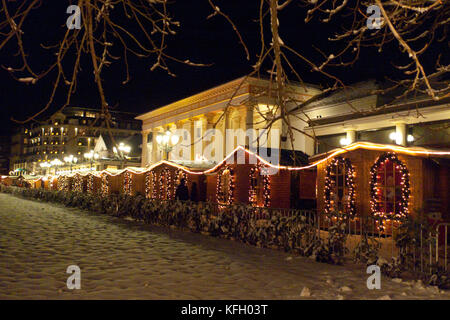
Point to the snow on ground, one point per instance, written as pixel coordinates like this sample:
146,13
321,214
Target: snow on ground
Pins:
122,259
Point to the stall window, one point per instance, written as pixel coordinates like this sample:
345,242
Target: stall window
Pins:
389,187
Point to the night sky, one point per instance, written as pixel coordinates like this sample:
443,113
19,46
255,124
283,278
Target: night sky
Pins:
199,39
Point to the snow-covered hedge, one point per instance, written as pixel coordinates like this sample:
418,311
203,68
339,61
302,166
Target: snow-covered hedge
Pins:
295,233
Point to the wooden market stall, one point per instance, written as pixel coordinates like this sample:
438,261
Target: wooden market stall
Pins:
383,180
79,182
163,179
244,178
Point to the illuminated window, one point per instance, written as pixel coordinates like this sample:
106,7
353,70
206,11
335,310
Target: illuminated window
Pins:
389,187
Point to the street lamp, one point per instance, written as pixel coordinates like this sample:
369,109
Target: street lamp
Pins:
45,165
91,156
56,163
124,151
167,141
70,159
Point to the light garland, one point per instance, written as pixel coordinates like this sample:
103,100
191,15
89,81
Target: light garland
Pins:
78,183
252,194
165,182
63,183
128,183
351,147
375,191
105,185
90,183
225,199
150,185
349,184
180,174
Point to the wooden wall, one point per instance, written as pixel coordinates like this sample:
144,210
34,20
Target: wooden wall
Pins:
280,189
279,186
115,184
138,186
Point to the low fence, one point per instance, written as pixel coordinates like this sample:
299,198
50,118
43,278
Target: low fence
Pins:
419,247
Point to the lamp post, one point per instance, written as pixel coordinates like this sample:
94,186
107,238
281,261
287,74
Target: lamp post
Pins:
167,141
91,156
45,165
70,159
56,163
124,151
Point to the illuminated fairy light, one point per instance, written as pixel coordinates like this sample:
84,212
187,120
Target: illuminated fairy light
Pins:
180,174
78,183
105,188
64,184
400,208
380,147
351,147
330,185
165,183
90,183
225,198
128,183
150,185
253,196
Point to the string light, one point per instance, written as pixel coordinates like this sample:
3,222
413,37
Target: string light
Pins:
64,183
256,171
128,183
357,145
225,199
105,185
90,183
150,185
180,174
78,183
165,182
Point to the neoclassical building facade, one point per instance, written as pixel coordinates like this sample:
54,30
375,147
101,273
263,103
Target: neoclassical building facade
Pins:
356,113
240,104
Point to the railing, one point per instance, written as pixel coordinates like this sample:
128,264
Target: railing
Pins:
444,245
426,250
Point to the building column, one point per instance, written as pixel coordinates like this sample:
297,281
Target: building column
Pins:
351,136
193,137
310,146
400,133
144,158
156,154
226,125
